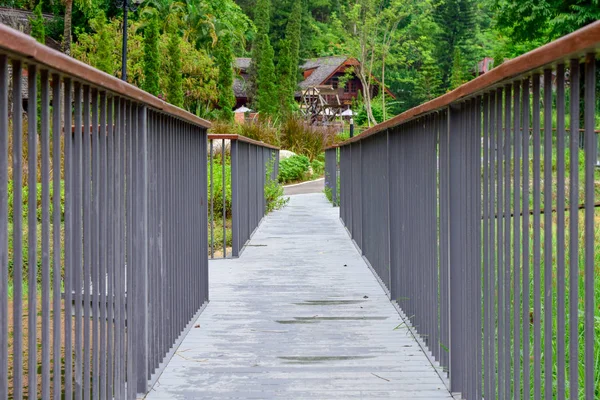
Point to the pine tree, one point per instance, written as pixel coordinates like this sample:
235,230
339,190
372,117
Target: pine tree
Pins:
286,77
293,33
151,57
224,56
262,22
289,58
457,22
266,89
175,79
38,27
104,55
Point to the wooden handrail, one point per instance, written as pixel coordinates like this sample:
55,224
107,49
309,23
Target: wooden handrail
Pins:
240,138
22,46
575,45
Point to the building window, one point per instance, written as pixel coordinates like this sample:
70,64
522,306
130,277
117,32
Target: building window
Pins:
334,82
351,86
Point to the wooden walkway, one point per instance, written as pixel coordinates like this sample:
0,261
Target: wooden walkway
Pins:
298,316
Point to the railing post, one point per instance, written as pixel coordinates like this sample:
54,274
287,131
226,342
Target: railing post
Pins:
141,247
456,220
235,212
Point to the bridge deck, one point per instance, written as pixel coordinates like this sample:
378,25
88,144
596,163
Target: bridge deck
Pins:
298,316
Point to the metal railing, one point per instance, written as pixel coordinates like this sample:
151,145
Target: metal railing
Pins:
331,174
114,280
483,226
249,162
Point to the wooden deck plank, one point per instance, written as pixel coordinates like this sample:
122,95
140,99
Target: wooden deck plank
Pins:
298,316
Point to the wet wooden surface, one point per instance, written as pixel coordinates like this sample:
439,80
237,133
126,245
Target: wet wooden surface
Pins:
298,316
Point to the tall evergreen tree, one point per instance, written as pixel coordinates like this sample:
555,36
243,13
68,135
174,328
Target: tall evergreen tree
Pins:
261,22
175,79
262,87
224,57
38,26
105,60
292,34
266,88
457,22
151,57
286,77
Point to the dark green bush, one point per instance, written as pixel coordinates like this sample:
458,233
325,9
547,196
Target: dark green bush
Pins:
295,168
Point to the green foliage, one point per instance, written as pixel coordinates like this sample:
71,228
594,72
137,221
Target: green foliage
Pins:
293,169
318,167
175,80
38,24
266,87
217,196
105,60
151,57
289,58
456,50
302,138
224,56
262,89
273,190
25,198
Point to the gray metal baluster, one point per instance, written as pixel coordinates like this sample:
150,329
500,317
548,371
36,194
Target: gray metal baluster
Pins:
525,235
560,230
95,237
507,241
32,228
56,233
590,161
77,243
103,244
486,248
4,226
112,114
574,231
69,235
500,247
87,239
235,190
537,308
45,175
548,247
516,340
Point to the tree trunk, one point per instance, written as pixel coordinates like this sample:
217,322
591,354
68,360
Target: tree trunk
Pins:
67,30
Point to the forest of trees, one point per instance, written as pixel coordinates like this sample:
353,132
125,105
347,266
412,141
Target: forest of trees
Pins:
183,51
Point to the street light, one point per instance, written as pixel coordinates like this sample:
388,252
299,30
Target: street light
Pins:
127,5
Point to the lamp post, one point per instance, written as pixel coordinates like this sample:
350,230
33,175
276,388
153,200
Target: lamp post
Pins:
127,6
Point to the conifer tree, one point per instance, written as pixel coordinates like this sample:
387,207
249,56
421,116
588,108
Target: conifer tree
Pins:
289,58
266,88
38,27
175,79
293,32
104,56
151,57
224,56
262,90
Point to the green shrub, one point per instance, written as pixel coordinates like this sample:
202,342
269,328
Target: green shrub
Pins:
302,138
295,168
218,186
318,167
273,190
25,196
